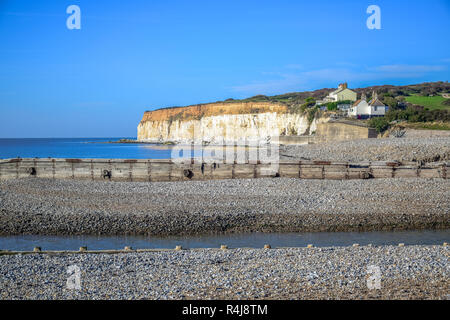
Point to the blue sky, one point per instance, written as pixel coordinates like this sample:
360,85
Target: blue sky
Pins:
132,56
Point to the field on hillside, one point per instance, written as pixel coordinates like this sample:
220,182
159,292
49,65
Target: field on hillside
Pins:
434,102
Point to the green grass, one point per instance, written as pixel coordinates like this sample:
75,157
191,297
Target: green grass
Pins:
433,103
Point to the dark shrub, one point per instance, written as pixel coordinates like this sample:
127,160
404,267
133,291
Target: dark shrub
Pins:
380,123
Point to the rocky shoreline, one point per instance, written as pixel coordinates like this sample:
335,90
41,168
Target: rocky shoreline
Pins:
70,207
410,272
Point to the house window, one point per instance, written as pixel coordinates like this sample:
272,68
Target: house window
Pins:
375,108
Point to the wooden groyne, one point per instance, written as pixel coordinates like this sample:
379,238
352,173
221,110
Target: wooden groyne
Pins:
169,170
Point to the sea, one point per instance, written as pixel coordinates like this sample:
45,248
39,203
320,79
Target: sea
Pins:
81,148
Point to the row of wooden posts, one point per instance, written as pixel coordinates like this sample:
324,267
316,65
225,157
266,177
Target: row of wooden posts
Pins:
129,249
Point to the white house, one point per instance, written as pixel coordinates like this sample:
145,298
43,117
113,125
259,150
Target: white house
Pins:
342,93
362,109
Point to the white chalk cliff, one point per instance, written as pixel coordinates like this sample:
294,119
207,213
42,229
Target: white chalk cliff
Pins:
223,123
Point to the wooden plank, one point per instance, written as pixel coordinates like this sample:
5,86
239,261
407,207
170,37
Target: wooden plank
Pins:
429,173
358,173
139,171
160,171
289,171
243,171
222,171
335,175
267,170
380,172
58,169
311,173
404,172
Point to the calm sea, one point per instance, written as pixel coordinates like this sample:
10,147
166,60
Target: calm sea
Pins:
81,148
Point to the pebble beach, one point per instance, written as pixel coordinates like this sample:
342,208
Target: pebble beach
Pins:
410,272
70,207
413,147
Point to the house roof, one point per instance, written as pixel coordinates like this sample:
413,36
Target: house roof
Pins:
376,103
357,102
340,90
336,91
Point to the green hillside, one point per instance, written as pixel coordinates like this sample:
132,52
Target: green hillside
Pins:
433,103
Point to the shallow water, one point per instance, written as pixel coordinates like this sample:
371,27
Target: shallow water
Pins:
251,240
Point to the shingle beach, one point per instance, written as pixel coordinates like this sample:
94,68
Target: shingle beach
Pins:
410,272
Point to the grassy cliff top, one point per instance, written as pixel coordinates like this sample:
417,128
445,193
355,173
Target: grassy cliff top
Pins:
197,112
425,94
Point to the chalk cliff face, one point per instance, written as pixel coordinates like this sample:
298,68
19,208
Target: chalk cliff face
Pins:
220,123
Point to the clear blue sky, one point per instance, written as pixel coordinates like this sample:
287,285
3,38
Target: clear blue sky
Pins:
132,56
